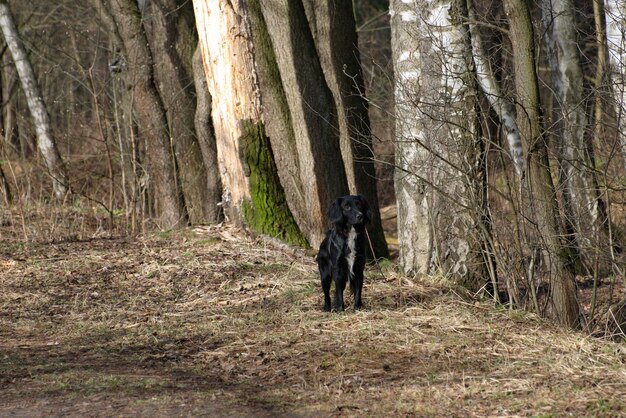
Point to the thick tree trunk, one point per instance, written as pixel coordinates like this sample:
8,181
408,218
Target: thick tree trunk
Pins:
439,182
543,210
45,141
206,139
414,232
333,26
312,109
170,27
253,194
277,118
229,67
169,204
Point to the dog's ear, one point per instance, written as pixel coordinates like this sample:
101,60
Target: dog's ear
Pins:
335,214
366,209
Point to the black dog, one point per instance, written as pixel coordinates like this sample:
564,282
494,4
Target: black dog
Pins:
342,253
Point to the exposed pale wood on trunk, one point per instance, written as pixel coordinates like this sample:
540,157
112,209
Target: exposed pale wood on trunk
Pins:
227,52
206,139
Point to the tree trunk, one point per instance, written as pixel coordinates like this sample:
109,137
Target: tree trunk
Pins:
45,141
206,139
229,69
170,27
5,190
169,204
615,16
497,100
253,194
333,26
581,197
277,118
9,123
439,180
313,113
414,232
543,210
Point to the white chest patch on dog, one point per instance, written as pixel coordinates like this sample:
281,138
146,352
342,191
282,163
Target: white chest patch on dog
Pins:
352,254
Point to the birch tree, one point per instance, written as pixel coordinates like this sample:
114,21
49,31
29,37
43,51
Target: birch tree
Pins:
615,17
499,102
439,186
45,141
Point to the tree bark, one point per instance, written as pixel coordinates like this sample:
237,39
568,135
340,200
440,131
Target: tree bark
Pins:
229,68
543,210
497,100
277,117
583,206
45,141
414,232
439,180
312,109
253,194
169,204
332,23
206,139
615,16
170,28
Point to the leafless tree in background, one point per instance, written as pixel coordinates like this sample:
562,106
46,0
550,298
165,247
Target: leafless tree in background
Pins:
45,141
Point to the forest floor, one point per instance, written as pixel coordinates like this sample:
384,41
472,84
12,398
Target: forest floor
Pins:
213,322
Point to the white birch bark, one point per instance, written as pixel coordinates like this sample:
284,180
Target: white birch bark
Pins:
504,108
615,15
414,234
36,105
435,120
581,201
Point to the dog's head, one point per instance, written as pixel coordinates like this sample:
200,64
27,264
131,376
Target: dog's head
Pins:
348,211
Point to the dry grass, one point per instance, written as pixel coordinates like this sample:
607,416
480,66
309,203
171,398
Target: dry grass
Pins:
213,322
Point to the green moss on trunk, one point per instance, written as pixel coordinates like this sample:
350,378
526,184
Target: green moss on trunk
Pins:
267,211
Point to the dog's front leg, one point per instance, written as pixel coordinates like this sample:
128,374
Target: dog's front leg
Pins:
357,287
327,280
340,286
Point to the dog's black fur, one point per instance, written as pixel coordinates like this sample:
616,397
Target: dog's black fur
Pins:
342,253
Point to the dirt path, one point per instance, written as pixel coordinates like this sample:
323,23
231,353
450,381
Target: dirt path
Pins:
213,323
